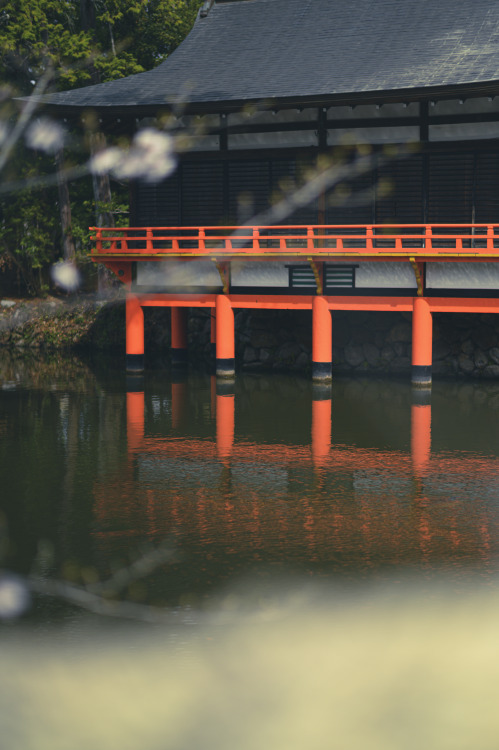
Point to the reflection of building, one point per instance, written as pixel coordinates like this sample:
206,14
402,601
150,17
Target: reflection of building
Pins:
376,137
335,505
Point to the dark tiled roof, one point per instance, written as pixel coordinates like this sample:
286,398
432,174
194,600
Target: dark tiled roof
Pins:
266,49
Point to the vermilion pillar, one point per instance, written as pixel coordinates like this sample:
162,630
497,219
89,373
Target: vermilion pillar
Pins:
421,343
213,334
134,334
225,353
179,336
322,349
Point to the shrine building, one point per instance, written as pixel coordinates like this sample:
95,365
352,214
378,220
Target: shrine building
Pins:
327,156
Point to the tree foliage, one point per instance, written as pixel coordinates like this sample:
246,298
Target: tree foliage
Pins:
70,43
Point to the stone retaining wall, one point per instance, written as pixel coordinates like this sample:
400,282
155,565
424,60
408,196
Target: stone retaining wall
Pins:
464,345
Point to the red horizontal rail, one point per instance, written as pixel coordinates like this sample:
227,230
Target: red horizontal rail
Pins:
313,239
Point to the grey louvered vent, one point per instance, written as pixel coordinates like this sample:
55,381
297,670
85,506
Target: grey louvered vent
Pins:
339,277
301,277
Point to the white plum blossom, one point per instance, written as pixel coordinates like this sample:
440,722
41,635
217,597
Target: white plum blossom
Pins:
151,157
106,160
14,596
45,135
66,275
4,132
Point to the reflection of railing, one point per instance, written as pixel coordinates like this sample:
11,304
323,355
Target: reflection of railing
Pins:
403,240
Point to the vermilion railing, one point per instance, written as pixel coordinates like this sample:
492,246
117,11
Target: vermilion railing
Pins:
295,240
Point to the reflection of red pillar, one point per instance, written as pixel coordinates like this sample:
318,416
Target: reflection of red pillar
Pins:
225,337
322,350
213,396
179,391
135,419
420,435
134,334
213,333
179,336
225,425
321,430
421,343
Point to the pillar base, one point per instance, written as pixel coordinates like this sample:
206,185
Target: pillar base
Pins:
322,371
178,357
225,368
134,362
421,376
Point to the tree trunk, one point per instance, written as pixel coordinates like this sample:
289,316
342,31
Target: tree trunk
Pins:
65,210
87,14
103,214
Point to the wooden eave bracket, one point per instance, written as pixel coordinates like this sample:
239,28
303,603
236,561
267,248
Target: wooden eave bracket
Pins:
317,270
223,271
418,273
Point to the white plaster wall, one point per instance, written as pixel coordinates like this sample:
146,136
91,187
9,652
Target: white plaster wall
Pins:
266,274
178,273
462,275
385,275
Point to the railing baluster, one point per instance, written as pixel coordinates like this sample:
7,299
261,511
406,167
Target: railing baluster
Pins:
201,237
428,242
369,238
490,237
149,240
310,240
256,239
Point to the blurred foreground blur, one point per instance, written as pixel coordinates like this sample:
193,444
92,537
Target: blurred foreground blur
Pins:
402,666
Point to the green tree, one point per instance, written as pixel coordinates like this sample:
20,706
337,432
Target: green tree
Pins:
69,43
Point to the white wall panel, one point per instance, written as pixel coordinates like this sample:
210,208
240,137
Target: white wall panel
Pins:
462,275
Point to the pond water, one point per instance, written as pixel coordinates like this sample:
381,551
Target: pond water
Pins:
171,499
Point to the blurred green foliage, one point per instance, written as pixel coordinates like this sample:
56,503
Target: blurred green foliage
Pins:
69,43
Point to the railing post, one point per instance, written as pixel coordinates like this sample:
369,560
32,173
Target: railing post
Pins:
149,240
98,239
201,238
490,237
369,238
310,240
256,239
428,243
